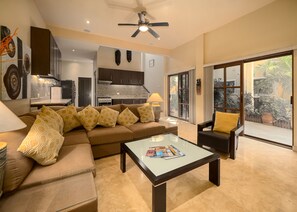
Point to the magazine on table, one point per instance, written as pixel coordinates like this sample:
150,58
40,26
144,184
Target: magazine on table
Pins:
166,152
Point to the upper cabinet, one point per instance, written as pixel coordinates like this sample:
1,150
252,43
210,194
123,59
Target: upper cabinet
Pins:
120,77
46,56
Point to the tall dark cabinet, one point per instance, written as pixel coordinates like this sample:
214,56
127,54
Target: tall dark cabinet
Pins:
68,90
46,56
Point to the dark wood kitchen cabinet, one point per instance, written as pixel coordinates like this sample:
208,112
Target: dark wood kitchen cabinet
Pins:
121,77
46,56
128,101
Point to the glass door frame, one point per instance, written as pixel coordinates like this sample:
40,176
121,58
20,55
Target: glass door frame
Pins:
179,75
225,87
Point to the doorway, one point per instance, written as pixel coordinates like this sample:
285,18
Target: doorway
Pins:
84,91
179,95
268,96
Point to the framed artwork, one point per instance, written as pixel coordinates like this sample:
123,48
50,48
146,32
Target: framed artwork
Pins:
15,66
151,63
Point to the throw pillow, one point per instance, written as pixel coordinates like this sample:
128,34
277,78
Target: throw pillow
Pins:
52,118
42,143
69,117
108,117
88,117
127,118
146,113
225,122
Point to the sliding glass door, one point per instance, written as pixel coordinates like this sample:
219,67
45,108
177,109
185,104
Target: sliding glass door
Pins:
179,95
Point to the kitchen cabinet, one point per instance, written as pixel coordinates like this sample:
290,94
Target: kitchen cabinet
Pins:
46,56
105,74
128,101
121,77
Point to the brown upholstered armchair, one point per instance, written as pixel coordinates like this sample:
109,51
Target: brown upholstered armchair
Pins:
222,142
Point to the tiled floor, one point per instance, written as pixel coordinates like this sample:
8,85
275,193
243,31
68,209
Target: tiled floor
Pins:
262,178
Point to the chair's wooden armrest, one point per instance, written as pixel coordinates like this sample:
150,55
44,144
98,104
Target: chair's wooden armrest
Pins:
237,130
203,125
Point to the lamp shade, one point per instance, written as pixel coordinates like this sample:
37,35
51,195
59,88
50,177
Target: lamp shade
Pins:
155,97
9,121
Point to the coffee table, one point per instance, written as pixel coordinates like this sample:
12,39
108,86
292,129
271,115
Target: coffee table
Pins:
159,170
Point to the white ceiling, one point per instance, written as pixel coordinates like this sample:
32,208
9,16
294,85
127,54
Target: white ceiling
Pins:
187,19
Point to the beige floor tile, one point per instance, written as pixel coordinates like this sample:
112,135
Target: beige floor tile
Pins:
262,178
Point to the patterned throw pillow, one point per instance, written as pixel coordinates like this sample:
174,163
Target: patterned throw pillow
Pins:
69,117
52,118
127,118
146,113
108,117
88,117
42,143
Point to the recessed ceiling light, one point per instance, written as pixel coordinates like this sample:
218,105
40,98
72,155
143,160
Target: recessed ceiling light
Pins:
73,50
87,21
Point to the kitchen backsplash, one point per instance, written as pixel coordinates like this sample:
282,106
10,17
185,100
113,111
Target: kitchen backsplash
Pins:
121,90
41,87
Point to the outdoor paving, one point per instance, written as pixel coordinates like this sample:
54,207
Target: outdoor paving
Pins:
272,133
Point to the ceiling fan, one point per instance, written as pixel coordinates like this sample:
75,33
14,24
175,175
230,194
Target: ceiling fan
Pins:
145,25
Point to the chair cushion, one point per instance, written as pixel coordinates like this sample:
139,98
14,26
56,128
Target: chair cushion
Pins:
217,140
225,122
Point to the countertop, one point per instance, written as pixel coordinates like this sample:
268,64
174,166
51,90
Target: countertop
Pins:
128,97
50,102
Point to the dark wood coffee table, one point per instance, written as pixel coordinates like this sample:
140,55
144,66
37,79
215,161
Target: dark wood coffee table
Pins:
159,170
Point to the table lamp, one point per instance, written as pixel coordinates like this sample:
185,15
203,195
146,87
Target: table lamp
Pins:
8,122
155,100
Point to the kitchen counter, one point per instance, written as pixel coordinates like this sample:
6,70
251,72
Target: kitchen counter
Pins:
50,102
128,97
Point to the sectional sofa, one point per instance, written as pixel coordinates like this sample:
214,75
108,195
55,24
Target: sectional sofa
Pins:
68,184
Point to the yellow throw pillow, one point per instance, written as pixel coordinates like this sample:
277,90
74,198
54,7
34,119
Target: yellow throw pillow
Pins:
225,122
108,117
69,117
42,143
88,117
52,118
146,113
127,118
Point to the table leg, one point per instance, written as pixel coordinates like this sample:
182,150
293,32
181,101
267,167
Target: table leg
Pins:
159,198
214,172
123,159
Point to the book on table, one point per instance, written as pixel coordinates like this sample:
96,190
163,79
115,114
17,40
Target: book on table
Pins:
166,152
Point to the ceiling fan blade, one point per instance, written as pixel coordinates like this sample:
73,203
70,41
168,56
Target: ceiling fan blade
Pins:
135,33
159,24
154,33
126,24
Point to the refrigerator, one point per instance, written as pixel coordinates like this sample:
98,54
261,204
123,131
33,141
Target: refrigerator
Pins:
68,90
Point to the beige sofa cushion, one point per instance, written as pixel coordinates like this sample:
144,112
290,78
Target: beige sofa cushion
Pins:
75,193
146,113
72,160
114,107
69,117
132,108
101,135
88,117
127,118
143,130
78,136
42,143
52,118
17,166
108,117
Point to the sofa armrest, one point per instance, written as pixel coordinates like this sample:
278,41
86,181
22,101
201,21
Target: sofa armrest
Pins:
203,125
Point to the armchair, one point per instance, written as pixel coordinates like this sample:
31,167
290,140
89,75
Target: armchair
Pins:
221,141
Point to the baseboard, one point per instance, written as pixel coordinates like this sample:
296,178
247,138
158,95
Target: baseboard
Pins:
294,148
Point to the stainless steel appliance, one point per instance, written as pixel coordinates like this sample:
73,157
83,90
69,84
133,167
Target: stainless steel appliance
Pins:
68,90
104,100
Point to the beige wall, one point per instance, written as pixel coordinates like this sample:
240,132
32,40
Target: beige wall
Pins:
20,14
271,28
106,59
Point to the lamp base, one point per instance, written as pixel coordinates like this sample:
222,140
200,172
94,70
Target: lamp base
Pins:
157,112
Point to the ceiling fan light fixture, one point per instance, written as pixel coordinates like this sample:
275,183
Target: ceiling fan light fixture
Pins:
143,27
